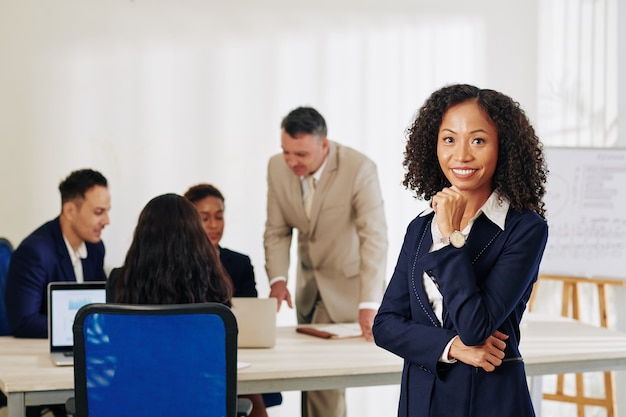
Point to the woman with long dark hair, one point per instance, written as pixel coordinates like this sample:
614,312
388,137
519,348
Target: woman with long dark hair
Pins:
170,260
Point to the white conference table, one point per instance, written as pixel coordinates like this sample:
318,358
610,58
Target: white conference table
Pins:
550,345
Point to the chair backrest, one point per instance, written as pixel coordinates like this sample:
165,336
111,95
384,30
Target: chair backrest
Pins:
156,360
6,250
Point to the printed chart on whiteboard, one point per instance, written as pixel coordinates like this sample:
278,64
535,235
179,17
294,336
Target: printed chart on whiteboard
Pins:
586,212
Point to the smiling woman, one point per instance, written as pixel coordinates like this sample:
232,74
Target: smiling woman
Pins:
467,150
447,310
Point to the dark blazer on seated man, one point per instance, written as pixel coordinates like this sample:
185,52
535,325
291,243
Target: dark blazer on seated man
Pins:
68,248
42,258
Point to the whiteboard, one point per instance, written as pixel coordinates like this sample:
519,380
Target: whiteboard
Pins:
586,212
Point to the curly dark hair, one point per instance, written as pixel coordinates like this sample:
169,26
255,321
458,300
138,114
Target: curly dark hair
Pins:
521,169
171,260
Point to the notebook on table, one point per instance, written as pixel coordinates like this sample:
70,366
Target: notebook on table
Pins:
256,321
64,300
331,330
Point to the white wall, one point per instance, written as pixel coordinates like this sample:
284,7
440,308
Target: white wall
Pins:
159,95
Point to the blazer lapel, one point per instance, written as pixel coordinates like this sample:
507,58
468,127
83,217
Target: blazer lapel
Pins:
64,257
323,186
478,243
422,247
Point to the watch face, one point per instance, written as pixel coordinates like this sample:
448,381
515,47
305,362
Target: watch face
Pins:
457,239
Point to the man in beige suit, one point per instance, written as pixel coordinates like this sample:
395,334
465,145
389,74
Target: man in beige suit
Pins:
331,195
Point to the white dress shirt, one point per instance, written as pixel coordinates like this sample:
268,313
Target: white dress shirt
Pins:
76,258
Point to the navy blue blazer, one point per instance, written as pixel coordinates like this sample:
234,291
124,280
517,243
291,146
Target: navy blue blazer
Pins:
241,272
42,258
485,287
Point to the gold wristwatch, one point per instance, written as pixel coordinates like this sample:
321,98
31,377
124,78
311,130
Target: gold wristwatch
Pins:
456,239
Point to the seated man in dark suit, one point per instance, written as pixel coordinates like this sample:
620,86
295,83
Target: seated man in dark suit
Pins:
68,248
209,202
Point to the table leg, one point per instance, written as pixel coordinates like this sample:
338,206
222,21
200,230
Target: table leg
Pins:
16,406
536,393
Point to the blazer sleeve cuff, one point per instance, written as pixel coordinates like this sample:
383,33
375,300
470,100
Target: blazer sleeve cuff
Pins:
277,279
444,356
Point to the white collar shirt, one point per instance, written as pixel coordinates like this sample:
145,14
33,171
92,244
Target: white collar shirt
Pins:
76,258
316,178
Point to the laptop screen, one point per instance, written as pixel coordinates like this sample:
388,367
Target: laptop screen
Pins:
64,300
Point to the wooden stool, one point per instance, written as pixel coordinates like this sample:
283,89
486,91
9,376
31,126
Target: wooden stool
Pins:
570,307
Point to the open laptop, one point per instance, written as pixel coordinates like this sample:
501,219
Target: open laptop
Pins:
64,300
256,321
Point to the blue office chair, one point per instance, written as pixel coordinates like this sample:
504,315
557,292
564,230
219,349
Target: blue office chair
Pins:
156,360
6,250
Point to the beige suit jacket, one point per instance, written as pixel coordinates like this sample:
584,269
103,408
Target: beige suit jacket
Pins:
342,249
